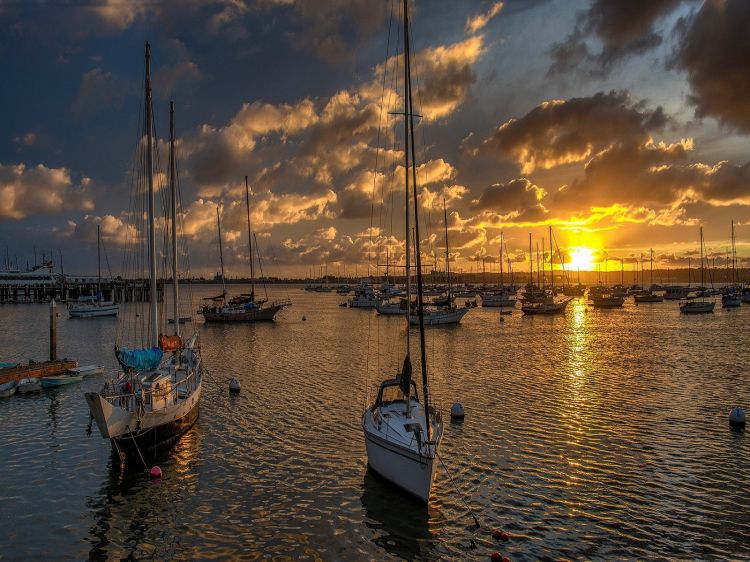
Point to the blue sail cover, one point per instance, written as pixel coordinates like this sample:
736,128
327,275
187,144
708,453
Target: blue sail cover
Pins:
139,359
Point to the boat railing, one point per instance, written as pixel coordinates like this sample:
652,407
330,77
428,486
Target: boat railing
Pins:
142,395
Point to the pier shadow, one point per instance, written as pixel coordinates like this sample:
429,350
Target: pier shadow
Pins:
399,523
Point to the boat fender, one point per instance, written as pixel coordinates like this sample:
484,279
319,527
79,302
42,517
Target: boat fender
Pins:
737,418
155,472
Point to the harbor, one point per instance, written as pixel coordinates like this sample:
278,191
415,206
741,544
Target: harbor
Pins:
581,442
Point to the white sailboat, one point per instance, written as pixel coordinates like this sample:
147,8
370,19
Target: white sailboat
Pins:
448,313
156,396
403,433
648,295
695,305
94,306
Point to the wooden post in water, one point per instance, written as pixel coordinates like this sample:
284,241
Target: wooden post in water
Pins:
53,330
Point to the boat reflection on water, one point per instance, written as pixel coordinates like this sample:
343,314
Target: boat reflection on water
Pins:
403,521
135,517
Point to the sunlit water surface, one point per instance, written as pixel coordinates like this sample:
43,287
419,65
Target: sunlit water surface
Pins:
598,434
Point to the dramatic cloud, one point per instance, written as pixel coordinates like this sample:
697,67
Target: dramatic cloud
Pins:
33,190
477,22
114,230
622,28
713,50
562,132
518,200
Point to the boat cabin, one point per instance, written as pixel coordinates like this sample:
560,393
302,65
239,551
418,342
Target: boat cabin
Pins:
157,390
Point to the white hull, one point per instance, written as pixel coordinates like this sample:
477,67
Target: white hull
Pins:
394,452
93,310
116,422
439,317
390,309
498,301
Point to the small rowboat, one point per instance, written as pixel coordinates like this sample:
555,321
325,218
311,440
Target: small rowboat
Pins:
28,385
8,389
61,380
87,370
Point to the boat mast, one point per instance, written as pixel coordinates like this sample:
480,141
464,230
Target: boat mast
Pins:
702,283
148,123
98,263
501,261
531,267
250,242
551,269
221,259
447,255
173,193
417,252
734,258
407,247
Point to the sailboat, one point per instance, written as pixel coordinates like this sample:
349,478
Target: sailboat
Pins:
243,307
692,304
648,295
548,302
501,297
731,296
156,397
448,313
94,306
403,433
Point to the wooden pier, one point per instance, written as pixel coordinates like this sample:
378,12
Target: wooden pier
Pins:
36,370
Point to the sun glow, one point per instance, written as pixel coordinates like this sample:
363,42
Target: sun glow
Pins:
582,258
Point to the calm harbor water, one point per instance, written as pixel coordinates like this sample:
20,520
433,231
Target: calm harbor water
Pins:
598,434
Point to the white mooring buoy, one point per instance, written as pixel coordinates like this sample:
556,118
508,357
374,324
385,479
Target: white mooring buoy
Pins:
234,385
457,411
737,418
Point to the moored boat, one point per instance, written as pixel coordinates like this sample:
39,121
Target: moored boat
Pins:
8,389
61,380
29,385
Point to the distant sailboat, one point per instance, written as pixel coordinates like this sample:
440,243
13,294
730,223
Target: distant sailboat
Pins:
731,296
695,305
93,307
403,434
648,295
244,307
501,297
156,397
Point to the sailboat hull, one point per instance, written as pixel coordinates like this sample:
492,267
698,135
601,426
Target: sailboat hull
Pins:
93,311
440,317
124,427
266,314
400,466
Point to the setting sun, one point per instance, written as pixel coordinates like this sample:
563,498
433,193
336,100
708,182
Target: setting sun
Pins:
582,258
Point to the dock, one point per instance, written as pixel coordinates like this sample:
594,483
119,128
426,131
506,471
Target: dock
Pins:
36,370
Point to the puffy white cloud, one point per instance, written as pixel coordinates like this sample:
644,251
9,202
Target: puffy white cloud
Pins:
38,189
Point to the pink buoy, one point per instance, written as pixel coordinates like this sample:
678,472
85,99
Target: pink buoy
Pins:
155,472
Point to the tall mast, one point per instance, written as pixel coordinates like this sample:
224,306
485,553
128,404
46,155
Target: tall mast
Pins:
250,242
551,269
221,259
652,266
417,252
407,246
702,283
501,260
98,263
531,266
734,257
543,269
148,124
447,255
173,193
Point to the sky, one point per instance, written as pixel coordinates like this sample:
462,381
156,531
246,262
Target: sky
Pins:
622,125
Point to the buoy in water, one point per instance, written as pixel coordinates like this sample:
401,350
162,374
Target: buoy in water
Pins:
155,472
496,557
234,385
304,317
502,319
737,418
457,411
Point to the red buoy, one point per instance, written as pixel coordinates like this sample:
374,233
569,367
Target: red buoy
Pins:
496,557
505,559
499,535
155,472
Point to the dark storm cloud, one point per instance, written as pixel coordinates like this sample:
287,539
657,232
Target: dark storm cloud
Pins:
515,196
624,28
714,50
564,131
